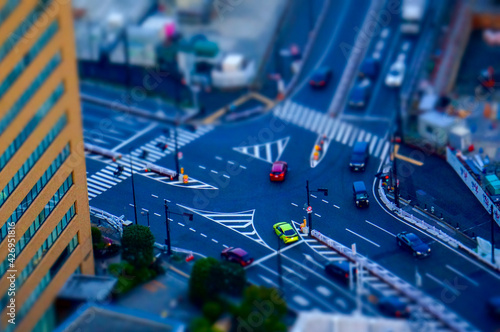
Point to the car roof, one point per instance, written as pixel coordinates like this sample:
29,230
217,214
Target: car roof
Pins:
286,226
278,166
411,236
360,146
240,252
359,186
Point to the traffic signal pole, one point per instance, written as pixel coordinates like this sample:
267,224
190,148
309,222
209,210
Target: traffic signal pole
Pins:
167,226
309,215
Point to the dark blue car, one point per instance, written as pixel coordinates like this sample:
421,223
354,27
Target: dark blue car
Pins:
411,242
320,77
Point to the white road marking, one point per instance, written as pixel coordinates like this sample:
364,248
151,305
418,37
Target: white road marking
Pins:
338,207
202,167
323,291
301,300
214,240
313,196
294,204
218,158
317,215
192,230
445,285
132,205
140,133
156,214
382,229
214,171
203,235
462,275
324,201
225,246
243,167
226,176
230,162
346,135
291,271
154,196
181,224
364,238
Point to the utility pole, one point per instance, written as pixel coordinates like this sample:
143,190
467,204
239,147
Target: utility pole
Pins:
492,236
177,168
133,185
167,226
309,213
395,173
146,212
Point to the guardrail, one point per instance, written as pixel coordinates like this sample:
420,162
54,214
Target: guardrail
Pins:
433,307
115,222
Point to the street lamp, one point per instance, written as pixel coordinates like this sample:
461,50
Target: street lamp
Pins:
309,212
146,213
133,185
167,225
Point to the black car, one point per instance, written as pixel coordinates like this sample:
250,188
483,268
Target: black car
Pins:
393,306
359,156
493,305
340,271
369,68
360,194
320,77
360,94
413,243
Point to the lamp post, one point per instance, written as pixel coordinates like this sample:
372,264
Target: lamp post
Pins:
309,213
133,185
167,225
146,213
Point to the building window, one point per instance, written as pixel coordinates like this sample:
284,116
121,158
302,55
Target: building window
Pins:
28,58
30,91
33,158
30,127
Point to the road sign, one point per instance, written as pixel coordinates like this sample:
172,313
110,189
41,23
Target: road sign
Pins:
179,155
353,248
309,209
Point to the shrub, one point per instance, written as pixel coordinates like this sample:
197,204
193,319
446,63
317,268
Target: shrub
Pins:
137,245
96,235
212,311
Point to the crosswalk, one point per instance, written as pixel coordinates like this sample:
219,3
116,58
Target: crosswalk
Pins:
241,222
269,152
381,289
104,179
334,129
192,183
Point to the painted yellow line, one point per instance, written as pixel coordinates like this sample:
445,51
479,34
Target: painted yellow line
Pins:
269,103
179,271
407,159
210,119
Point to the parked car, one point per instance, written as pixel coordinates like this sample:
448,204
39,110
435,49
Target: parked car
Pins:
392,306
360,194
286,232
236,255
359,156
340,271
360,94
320,77
396,74
278,171
413,243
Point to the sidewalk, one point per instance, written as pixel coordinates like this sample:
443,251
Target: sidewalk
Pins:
437,188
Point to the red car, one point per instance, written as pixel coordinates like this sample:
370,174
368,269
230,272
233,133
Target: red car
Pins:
236,255
278,171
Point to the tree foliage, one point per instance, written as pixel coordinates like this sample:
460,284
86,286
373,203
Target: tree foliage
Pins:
137,245
96,235
262,310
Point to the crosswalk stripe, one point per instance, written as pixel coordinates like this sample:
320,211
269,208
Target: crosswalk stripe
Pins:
361,135
304,115
379,148
154,153
329,126
346,135
317,121
256,151
98,184
94,191
92,195
289,111
341,131
280,147
334,129
384,152
323,123
268,153
102,178
154,148
107,176
368,137
372,144
96,187
309,119
353,136
295,113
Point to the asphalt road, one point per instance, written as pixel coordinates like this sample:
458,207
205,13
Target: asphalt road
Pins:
235,204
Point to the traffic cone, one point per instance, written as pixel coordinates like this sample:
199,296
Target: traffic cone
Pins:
190,257
185,179
316,155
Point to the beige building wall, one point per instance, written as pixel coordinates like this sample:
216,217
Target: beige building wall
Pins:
66,72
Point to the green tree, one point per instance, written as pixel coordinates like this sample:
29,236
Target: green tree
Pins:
212,311
227,277
199,288
262,310
96,235
201,324
137,245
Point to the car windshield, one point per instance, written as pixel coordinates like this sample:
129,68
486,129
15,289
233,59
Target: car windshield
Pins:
415,240
394,72
246,257
289,232
361,196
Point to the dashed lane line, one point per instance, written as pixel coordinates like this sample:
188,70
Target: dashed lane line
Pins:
214,240
181,224
382,229
364,238
156,214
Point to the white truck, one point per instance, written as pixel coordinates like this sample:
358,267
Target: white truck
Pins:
412,16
